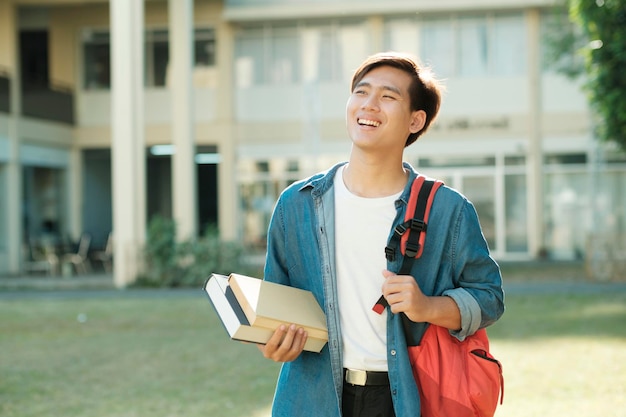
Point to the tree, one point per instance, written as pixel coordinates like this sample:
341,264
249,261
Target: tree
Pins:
588,37
603,23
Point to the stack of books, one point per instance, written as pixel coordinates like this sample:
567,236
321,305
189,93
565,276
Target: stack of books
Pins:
252,309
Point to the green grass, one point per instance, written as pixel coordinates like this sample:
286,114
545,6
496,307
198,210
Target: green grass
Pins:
563,356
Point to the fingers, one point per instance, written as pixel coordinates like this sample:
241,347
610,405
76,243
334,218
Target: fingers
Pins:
387,273
401,292
285,345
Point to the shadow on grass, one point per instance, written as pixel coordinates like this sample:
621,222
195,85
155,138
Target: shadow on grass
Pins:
542,316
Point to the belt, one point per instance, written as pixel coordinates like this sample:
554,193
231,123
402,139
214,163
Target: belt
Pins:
363,378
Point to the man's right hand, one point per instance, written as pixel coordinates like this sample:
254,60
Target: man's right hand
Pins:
285,345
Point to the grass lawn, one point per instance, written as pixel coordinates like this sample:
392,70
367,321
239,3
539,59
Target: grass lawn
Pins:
563,356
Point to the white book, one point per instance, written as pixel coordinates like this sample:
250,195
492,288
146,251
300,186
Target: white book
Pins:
235,321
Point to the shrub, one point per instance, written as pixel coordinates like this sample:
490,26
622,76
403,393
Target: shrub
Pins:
188,263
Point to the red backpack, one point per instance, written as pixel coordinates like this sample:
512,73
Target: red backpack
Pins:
459,379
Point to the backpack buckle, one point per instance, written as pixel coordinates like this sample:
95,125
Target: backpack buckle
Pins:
411,249
390,253
400,229
418,225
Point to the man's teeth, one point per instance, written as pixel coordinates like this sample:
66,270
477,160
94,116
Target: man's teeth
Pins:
369,122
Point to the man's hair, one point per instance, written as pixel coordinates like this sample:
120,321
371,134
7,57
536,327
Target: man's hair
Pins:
424,91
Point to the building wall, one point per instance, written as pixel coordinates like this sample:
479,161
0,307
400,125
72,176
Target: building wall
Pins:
278,115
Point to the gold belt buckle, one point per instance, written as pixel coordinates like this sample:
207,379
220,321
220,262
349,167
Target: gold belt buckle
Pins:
356,377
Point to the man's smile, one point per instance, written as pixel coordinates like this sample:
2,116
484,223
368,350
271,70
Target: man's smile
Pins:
367,122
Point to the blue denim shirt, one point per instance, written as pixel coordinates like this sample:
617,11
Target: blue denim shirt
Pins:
301,253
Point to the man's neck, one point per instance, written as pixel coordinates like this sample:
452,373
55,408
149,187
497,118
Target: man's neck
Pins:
374,178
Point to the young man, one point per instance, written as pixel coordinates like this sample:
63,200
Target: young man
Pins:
328,234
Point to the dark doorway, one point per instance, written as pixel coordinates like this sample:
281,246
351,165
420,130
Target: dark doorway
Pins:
207,196
34,59
160,193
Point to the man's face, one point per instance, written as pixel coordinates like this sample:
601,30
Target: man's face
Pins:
378,112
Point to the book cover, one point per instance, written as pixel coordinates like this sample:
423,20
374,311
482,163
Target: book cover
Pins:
268,304
234,320
230,313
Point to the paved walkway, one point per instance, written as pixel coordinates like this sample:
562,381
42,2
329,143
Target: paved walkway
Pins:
101,285
82,286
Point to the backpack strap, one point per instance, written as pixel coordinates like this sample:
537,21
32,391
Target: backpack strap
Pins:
410,235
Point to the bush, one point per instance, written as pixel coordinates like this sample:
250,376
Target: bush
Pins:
188,263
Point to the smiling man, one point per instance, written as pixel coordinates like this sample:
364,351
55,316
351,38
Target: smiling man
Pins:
328,235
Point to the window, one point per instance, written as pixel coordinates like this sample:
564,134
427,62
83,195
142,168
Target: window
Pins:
204,48
97,59
268,55
157,55
260,184
250,58
463,46
508,45
437,46
472,48
292,54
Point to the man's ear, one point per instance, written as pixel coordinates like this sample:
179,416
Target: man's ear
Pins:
418,120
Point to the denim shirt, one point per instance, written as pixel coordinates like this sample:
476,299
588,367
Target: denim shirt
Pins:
301,253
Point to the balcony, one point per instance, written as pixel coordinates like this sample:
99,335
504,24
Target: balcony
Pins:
53,103
5,97
261,10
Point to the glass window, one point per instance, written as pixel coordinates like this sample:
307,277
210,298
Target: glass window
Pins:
354,42
97,56
249,58
157,55
566,196
472,47
437,46
515,213
96,60
320,54
467,46
469,161
277,54
559,159
4,233
204,48
284,60
403,35
508,45
561,39
261,182
514,160
481,191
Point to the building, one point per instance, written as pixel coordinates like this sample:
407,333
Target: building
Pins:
114,111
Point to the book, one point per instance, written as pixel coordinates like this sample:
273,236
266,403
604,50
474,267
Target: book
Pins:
230,312
268,304
234,320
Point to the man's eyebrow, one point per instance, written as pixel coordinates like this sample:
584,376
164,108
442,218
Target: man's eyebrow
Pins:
384,87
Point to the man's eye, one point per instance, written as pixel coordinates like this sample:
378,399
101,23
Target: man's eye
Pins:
359,92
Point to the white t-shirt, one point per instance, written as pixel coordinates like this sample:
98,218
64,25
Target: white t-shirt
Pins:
362,226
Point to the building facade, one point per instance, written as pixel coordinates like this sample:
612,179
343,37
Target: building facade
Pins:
112,112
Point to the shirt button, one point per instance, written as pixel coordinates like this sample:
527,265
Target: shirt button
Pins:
393,352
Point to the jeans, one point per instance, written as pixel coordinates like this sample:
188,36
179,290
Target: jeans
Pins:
367,401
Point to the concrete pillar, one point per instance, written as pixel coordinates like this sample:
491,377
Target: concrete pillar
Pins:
228,209
534,156
183,164
128,142
74,191
9,59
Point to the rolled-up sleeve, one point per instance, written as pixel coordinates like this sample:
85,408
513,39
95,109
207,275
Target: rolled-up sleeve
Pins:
469,308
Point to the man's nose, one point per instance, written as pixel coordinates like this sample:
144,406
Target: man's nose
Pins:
370,103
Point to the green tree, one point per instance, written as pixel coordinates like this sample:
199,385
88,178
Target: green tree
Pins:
603,24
